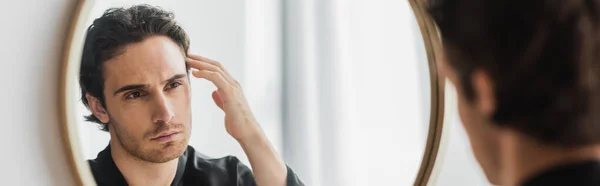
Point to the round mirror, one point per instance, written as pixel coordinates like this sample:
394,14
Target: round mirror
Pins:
337,93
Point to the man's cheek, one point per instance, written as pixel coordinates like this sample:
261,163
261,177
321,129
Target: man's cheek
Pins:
182,106
138,113
182,98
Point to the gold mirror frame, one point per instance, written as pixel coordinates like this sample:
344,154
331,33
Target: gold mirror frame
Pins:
72,55
432,43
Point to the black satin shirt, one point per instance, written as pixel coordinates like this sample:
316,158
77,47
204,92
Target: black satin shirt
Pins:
577,174
193,169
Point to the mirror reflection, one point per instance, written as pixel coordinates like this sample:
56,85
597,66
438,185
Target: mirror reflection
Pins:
252,93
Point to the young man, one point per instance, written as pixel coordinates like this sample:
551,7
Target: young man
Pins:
526,74
134,78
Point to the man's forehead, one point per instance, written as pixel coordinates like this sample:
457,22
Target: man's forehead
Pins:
152,60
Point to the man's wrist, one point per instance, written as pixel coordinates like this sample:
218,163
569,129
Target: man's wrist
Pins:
252,136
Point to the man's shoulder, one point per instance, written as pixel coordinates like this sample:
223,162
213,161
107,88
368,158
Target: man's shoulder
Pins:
200,168
198,158
99,162
104,170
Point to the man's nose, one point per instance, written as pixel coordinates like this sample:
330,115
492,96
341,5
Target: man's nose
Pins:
163,111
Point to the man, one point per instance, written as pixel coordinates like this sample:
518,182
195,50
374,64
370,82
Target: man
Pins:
135,80
526,75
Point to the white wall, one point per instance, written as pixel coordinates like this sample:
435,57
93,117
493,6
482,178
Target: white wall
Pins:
32,37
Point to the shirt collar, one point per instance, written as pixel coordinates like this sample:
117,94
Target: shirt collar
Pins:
106,171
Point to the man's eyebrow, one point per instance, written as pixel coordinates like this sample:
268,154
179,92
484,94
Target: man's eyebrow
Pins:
130,87
141,86
175,77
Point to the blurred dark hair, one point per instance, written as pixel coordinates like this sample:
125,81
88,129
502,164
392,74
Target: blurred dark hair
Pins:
107,37
542,57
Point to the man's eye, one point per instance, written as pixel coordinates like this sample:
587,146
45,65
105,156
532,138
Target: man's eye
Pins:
134,95
174,85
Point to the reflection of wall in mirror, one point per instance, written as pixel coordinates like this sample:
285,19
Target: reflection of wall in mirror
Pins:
393,92
381,91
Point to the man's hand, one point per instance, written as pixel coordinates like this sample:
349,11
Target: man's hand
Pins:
239,120
267,166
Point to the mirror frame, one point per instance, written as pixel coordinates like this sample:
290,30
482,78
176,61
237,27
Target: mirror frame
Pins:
71,62
70,67
439,101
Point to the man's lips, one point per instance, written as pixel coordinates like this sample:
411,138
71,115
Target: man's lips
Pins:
165,136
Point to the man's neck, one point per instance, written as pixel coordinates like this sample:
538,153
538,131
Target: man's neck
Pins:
139,172
524,158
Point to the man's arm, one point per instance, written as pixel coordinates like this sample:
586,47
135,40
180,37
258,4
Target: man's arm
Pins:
268,167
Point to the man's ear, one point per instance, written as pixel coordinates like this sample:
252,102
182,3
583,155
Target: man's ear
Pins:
483,87
97,108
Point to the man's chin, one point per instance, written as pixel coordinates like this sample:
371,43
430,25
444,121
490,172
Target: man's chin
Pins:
167,152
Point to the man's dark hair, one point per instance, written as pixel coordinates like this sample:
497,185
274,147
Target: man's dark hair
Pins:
542,57
108,36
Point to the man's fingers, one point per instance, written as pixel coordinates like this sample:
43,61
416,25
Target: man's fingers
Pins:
201,58
218,100
216,78
201,65
198,57
210,61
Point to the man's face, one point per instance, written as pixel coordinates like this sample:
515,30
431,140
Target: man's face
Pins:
475,117
147,95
